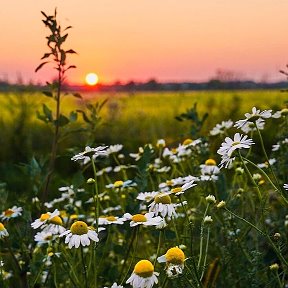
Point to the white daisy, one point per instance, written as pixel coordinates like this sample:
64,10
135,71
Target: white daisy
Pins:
285,186
250,126
46,217
163,205
221,128
255,115
3,231
265,164
90,153
43,237
114,148
174,259
209,170
147,196
180,190
229,146
107,220
11,213
143,275
147,219
79,233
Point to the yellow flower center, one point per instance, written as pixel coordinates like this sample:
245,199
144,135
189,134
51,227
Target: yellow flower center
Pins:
210,162
139,218
162,198
174,150
144,268
56,220
235,143
187,142
44,217
176,190
111,218
118,184
8,212
284,111
2,227
79,228
169,182
73,216
175,256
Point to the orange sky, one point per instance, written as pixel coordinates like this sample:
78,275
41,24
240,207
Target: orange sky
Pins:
170,40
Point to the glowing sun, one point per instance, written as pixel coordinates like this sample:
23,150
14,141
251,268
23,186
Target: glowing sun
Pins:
91,79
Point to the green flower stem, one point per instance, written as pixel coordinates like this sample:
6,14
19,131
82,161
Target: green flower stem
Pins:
263,234
206,253
96,195
133,255
202,238
158,248
195,274
175,229
251,177
279,280
84,267
266,157
268,178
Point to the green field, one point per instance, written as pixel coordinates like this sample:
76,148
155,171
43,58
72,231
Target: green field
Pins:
136,118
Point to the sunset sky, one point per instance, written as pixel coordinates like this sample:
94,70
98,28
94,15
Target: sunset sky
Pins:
168,40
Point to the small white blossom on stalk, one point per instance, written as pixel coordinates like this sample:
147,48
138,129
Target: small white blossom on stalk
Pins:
209,170
208,220
160,143
163,205
148,219
3,231
221,128
79,233
11,213
230,145
210,199
90,153
254,116
143,275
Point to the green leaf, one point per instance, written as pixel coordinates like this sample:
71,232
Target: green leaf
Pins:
85,118
40,66
48,113
77,95
62,121
47,93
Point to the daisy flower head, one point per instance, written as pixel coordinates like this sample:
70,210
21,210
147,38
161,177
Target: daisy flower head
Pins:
180,190
143,275
147,196
114,148
230,145
221,128
253,117
163,205
160,143
3,231
148,219
285,186
107,220
46,218
80,233
11,213
174,259
90,153
252,126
